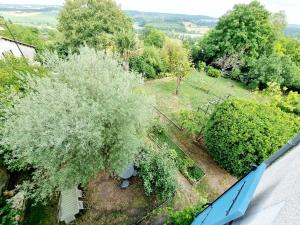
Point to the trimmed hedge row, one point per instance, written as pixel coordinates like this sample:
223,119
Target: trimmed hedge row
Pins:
241,134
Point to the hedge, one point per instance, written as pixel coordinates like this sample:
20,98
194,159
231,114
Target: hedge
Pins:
240,134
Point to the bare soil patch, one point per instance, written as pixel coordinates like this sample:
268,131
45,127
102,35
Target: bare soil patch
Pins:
109,204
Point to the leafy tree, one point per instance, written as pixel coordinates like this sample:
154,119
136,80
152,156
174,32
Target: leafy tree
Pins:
177,60
151,63
246,28
279,22
154,37
290,47
158,172
274,68
240,134
89,21
125,42
86,118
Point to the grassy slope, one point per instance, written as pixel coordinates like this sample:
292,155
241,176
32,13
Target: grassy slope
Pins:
196,90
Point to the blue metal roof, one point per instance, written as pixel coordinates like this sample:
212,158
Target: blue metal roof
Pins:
233,203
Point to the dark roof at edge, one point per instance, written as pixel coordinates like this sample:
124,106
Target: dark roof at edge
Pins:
18,42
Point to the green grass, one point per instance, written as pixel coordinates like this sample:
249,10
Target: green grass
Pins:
183,162
196,90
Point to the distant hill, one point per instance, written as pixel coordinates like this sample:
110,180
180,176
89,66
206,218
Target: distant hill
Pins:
170,22
293,30
44,17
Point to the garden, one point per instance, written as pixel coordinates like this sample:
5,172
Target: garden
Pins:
190,116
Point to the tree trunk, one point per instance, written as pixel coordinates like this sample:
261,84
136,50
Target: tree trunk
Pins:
178,84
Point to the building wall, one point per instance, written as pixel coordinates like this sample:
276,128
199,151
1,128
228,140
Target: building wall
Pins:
277,198
10,46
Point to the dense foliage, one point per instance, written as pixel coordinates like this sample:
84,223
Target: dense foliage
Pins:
183,162
95,23
192,121
240,134
8,215
154,37
213,72
177,60
185,216
158,172
25,34
84,118
245,29
274,68
13,69
150,63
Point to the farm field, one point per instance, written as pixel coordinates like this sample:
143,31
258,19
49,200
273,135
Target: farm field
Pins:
37,19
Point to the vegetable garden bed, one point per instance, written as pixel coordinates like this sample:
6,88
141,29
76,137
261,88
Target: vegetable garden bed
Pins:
183,162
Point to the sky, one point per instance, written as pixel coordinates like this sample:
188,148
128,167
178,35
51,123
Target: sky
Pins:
214,8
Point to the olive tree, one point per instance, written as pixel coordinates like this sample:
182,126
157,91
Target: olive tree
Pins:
88,116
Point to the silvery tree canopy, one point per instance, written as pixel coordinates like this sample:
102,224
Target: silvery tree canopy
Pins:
86,116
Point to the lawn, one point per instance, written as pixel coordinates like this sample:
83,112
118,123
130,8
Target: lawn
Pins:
195,91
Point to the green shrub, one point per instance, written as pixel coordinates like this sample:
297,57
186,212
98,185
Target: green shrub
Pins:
7,214
240,134
201,66
158,172
213,72
12,69
235,73
149,63
186,216
274,68
184,163
192,121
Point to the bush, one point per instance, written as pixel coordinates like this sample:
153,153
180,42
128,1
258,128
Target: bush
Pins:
8,215
184,163
240,134
150,63
158,172
186,216
274,68
11,71
235,74
201,66
213,72
192,121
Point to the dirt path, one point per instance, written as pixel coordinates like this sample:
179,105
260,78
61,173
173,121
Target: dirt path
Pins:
216,178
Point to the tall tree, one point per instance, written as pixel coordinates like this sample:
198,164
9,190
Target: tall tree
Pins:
177,60
154,37
246,28
86,118
92,22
